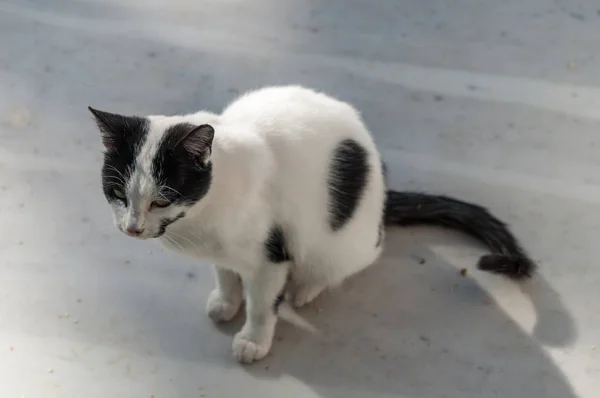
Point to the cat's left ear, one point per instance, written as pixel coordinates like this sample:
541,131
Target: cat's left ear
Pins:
198,141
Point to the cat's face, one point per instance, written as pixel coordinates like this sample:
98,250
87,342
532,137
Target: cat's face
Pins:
153,171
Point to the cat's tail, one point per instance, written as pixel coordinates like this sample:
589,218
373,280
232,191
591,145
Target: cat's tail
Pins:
289,314
507,258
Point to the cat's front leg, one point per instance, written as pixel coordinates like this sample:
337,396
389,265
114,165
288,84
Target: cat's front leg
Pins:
225,300
264,291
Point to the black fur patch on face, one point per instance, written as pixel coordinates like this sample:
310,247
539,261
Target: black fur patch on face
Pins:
182,167
165,222
122,137
275,246
348,175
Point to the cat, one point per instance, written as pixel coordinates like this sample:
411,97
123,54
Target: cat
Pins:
284,192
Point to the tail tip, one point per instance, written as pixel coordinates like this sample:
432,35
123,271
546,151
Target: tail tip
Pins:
513,267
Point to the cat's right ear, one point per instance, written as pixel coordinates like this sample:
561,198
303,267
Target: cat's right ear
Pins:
113,127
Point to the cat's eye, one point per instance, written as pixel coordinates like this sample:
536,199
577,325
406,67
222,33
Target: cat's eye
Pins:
118,193
160,203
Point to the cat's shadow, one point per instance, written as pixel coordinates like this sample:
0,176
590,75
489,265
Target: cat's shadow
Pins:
413,326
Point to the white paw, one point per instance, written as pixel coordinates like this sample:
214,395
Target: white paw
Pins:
247,351
220,309
306,293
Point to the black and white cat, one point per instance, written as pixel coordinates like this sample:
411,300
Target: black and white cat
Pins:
284,191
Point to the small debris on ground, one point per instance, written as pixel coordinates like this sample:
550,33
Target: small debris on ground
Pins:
50,370
63,316
422,261
571,65
463,271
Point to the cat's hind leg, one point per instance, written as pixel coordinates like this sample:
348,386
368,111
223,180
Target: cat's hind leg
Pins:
225,300
304,292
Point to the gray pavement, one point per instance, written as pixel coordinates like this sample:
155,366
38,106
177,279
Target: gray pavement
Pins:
493,102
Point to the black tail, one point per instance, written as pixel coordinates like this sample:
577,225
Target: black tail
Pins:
507,258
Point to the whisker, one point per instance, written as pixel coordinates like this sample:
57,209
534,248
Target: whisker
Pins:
162,196
200,240
191,242
174,190
115,178
174,242
119,174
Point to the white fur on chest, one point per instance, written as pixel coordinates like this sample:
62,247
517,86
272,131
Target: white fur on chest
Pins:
193,242
229,248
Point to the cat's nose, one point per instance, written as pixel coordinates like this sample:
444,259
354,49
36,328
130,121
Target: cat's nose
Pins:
133,231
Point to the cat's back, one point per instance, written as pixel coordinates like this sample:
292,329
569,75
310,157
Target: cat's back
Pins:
294,113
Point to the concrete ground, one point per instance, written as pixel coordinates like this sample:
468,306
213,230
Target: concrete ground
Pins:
494,102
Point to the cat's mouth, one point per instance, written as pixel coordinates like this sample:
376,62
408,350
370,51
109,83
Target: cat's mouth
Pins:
137,234
145,234
165,222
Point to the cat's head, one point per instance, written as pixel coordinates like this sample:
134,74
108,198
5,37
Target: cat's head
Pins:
154,170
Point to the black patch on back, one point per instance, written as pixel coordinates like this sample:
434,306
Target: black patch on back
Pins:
184,178
275,246
165,222
127,135
381,228
348,176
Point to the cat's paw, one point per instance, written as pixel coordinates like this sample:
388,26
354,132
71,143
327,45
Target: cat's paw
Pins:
247,351
306,293
220,308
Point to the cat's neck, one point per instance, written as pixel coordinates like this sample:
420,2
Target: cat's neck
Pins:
237,176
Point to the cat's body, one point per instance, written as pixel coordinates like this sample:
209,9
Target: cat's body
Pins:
270,171
284,190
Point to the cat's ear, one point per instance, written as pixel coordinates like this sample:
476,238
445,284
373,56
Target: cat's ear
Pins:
198,141
115,128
